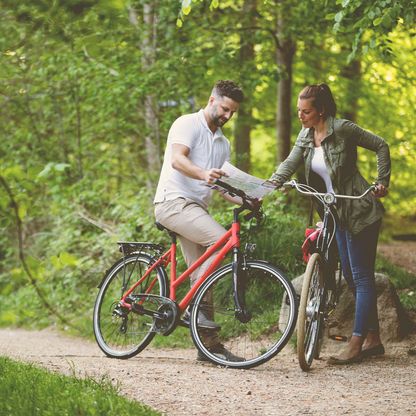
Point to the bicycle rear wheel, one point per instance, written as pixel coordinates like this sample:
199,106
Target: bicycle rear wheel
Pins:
271,302
121,333
310,318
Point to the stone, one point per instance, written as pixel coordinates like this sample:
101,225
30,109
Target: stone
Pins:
394,321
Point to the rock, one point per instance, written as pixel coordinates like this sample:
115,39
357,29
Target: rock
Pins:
394,322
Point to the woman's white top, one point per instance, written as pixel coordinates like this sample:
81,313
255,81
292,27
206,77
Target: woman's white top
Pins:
319,167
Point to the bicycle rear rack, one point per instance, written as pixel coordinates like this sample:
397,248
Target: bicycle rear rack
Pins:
128,247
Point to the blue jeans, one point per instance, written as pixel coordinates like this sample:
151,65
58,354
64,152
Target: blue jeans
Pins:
357,253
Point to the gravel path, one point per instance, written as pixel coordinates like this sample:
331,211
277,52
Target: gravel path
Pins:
172,382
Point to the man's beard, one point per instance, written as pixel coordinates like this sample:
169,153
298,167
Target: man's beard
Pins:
218,121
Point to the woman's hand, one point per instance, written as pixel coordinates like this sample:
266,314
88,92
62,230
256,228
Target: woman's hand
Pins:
380,191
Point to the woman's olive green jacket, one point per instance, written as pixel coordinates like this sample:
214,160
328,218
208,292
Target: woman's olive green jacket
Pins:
340,154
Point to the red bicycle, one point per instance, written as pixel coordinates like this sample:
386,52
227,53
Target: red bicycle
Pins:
252,302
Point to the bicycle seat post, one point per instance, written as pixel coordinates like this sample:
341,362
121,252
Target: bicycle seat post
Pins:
172,234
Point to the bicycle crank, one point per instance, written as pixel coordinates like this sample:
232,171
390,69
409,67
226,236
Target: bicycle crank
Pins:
163,310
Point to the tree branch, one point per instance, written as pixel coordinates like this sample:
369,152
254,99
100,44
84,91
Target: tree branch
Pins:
99,224
22,256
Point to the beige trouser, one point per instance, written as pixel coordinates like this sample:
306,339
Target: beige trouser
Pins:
196,231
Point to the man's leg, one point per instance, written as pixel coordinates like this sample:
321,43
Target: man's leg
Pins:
196,231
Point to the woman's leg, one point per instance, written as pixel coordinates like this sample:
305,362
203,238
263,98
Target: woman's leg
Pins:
362,249
357,253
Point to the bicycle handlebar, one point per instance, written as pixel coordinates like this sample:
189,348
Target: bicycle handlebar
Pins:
255,210
233,190
328,197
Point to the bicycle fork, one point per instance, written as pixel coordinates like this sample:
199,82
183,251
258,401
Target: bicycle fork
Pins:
240,277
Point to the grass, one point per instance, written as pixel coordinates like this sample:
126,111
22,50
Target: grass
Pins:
26,390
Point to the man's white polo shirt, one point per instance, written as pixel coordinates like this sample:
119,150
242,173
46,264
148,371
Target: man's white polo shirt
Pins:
207,150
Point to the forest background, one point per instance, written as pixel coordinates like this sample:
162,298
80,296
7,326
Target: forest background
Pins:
89,89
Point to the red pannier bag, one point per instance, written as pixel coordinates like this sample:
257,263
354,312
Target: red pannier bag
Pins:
308,245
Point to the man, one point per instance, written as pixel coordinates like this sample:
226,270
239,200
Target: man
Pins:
195,151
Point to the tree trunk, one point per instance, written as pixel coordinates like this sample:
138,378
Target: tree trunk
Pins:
151,131
242,133
152,123
352,73
284,57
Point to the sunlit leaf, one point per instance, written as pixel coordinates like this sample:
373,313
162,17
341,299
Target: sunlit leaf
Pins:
186,10
377,21
68,259
22,211
338,17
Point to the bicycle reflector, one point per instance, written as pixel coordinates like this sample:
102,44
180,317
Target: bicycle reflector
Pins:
340,338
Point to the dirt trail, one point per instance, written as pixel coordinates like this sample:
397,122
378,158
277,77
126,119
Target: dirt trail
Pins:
172,382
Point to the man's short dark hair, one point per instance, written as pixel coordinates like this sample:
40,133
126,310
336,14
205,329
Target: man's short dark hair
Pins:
227,88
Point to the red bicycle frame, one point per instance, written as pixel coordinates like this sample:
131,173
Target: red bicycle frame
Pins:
229,241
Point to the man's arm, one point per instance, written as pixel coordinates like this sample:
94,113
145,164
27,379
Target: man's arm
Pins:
182,163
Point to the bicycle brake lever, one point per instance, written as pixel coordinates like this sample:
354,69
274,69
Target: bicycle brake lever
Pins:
254,214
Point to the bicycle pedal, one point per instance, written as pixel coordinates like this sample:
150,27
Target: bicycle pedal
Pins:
340,338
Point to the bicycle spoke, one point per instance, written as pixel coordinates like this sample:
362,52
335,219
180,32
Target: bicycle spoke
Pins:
310,318
246,344
119,332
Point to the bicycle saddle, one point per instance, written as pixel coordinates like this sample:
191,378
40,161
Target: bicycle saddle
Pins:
163,228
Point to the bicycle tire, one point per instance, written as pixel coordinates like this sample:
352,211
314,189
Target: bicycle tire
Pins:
310,318
125,336
264,335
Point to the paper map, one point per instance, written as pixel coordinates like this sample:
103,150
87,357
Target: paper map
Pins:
251,185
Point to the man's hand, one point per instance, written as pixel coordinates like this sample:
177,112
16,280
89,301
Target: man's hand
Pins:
182,163
380,191
210,176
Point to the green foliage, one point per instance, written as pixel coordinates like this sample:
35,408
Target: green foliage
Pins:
74,91
53,394
403,281
371,22
280,238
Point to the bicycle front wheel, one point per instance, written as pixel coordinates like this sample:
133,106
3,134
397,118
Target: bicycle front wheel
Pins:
120,332
271,304
310,318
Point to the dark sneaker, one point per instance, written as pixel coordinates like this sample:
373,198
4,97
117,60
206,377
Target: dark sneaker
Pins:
203,321
221,352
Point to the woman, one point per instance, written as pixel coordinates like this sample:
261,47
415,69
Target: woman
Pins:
327,147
